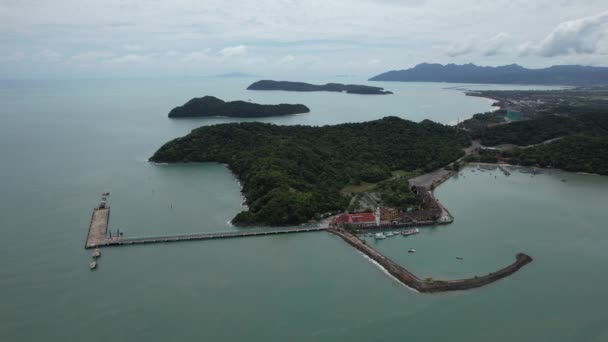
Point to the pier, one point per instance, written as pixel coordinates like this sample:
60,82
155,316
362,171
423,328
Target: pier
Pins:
98,228
204,236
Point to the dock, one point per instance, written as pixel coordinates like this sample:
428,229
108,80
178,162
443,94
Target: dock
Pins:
205,236
98,229
504,170
100,236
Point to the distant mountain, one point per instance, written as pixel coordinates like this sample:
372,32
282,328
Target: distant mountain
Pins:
209,106
574,75
301,86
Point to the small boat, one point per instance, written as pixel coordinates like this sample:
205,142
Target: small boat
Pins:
369,235
388,234
411,250
93,265
459,258
410,232
379,236
106,194
96,253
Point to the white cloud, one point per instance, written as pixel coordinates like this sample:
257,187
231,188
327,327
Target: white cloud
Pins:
580,36
130,58
496,44
132,47
463,47
287,59
234,51
196,57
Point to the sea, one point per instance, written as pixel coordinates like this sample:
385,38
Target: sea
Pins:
65,142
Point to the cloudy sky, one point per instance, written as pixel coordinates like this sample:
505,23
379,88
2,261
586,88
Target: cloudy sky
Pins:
123,38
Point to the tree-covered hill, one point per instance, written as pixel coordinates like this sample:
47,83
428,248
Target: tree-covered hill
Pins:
290,174
212,106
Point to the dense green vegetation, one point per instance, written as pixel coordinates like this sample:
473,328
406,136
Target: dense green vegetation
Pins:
301,86
573,153
396,193
530,132
212,106
290,174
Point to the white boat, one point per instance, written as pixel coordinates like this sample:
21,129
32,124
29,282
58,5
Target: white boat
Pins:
388,234
93,265
379,236
410,232
411,250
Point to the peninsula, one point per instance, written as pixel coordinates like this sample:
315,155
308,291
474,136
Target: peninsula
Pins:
574,75
292,174
210,106
333,87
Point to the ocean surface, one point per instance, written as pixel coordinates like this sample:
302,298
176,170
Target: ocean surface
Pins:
63,143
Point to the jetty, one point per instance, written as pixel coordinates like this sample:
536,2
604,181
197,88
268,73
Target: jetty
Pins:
429,285
119,241
98,228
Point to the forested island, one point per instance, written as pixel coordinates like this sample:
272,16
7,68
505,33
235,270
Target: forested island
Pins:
333,87
291,174
210,106
574,75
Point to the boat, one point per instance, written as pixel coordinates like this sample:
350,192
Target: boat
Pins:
459,258
96,253
93,265
411,250
369,234
379,236
410,232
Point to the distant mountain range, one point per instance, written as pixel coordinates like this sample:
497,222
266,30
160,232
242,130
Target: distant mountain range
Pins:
573,75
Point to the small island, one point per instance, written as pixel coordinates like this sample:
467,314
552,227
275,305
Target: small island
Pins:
333,87
210,106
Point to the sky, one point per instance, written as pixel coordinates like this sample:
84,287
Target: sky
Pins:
135,38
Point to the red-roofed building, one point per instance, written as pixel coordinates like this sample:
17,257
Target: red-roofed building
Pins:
355,219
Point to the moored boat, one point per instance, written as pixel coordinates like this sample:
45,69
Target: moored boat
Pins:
93,265
411,250
379,236
410,232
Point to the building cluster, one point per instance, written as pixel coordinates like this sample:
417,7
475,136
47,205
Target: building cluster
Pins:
429,211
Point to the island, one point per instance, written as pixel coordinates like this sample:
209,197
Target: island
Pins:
210,106
333,87
573,75
293,174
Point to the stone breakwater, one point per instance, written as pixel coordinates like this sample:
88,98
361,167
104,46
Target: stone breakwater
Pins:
411,280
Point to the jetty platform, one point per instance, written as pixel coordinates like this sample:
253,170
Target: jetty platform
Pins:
98,229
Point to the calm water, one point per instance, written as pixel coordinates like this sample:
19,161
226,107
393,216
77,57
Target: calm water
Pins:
65,142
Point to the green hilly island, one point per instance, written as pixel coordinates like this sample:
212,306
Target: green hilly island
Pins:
290,174
210,106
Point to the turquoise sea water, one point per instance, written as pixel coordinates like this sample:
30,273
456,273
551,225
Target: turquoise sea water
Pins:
65,142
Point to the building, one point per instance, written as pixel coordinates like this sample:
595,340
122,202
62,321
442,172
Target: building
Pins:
358,219
389,214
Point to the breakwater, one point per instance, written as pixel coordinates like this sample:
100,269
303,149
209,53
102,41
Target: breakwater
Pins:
411,280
